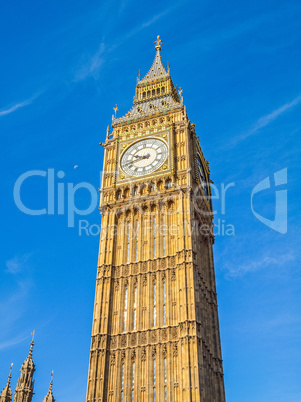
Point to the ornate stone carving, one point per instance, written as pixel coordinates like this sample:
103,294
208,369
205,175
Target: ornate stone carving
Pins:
144,267
134,339
143,337
123,340
173,275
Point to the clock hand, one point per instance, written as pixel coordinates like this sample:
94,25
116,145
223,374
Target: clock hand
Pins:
142,156
139,158
131,162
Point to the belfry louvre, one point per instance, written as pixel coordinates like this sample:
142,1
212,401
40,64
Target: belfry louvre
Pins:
155,332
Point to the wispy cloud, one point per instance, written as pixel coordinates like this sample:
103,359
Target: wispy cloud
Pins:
6,340
13,341
267,119
91,67
15,107
13,307
17,264
12,109
261,263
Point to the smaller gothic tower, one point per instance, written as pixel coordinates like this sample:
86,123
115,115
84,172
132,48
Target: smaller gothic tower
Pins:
25,384
49,397
6,394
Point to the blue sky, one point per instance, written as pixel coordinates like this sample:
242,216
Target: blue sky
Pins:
65,64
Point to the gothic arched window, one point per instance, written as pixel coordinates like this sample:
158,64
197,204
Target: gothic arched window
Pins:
155,304
122,381
163,235
128,243
137,240
165,380
154,378
135,306
155,238
164,303
133,380
125,308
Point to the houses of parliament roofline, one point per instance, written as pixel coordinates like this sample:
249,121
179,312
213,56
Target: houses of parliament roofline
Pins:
25,384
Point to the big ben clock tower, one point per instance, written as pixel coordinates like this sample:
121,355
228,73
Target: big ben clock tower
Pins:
155,332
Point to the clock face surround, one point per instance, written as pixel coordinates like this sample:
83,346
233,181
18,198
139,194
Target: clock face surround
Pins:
202,177
144,157
201,172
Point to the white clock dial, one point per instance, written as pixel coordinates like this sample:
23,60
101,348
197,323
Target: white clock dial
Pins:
144,157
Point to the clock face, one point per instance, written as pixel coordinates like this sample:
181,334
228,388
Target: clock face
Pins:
201,172
202,177
144,157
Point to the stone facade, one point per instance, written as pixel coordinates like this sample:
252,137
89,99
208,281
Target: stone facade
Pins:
155,332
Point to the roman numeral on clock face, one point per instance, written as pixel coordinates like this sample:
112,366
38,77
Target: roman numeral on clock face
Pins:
143,157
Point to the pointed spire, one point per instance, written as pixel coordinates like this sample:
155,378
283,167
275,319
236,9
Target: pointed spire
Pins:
25,383
31,344
155,92
49,397
6,394
157,69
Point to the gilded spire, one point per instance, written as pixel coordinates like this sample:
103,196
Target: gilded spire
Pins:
6,394
157,69
155,92
49,397
25,383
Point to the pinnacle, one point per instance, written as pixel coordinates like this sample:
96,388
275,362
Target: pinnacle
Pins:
157,69
6,394
49,397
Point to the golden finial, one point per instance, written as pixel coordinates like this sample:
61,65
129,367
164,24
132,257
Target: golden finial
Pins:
139,73
181,94
168,67
158,43
31,344
51,381
10,369
116,110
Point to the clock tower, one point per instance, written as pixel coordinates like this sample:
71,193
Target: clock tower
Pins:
155,332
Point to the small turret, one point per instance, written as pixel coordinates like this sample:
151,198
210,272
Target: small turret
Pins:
25,383
49,397
6,394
